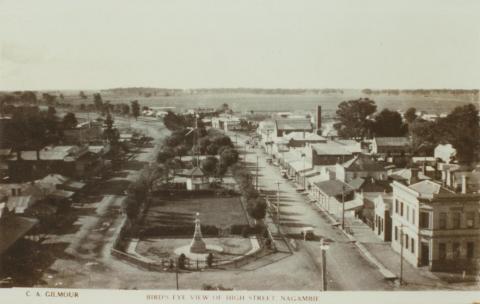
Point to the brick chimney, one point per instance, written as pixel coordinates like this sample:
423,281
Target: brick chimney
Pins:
415,178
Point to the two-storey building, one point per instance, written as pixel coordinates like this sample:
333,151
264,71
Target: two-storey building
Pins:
436,226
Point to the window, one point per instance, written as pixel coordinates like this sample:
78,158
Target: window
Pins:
408,213
396,233
442,251
396,206
470,219
424,220
443,220
413,216
456,219
456,250
401,209
412,245
406,241
470,250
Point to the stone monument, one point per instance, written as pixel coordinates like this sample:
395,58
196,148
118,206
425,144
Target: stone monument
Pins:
198,245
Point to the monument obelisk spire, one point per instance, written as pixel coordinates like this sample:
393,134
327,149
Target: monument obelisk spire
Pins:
198,245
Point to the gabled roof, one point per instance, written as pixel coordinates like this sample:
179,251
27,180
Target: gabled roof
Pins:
293,124
406,174
197,171
428,188
330,149
373,185
333,187
392,141
12,228
356,183
363,163
59,153
304,136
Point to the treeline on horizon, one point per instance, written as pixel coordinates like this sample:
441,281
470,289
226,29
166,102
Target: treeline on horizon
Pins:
422,92
166,92
172,92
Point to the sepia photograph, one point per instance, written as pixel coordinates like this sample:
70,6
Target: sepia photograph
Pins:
228,146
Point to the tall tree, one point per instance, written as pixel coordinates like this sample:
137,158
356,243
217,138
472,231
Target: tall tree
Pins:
209,165
69,121
135,109
49,99
125,109
29,96
353,117
229,156
164,155
462,130
389,124
111,134
410,115
98,102
151,176
82,95
173,121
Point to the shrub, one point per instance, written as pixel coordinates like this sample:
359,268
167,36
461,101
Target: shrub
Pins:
181,261
210,259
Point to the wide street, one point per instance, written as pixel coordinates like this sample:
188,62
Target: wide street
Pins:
79,255
347,269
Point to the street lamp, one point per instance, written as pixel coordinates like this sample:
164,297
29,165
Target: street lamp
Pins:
324,247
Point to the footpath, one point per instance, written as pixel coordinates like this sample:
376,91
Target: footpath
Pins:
381,254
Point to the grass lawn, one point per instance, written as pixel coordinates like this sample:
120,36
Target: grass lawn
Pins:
221,212
156,249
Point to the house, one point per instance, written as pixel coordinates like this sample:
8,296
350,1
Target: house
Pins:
446,153
360,166
329,153
332,194
350,145
407,176
391,146
226,122
196,179
51,182
436,226
285,126
383,218
71,161
301,139
297,168
18,197
366,190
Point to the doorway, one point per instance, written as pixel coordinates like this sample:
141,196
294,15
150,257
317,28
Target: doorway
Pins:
425,254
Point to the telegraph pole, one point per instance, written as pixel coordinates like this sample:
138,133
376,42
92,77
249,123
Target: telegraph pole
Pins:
278,201
256,176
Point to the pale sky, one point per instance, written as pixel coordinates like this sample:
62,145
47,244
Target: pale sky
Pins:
95,44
